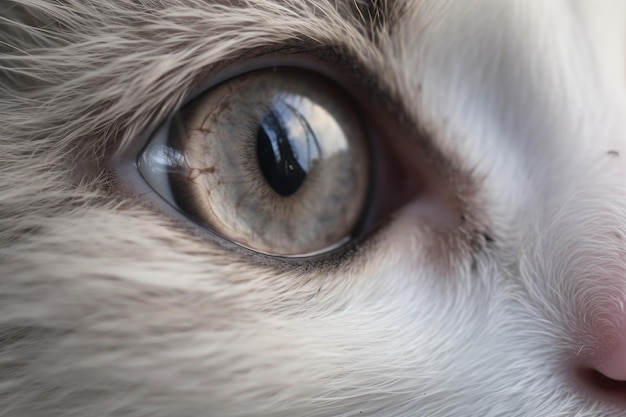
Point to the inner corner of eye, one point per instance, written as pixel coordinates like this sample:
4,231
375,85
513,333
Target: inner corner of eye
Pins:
286,133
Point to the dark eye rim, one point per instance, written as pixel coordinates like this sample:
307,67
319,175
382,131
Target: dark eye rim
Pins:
344,79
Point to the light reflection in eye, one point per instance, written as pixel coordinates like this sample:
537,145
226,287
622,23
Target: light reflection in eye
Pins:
161,160
297,123
290,135
330,137
163,157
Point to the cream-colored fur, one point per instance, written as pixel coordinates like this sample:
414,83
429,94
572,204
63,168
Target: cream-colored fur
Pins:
109,306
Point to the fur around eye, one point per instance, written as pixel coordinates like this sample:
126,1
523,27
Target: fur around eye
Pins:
493,286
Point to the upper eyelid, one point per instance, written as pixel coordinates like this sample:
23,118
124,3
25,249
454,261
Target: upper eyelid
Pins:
331,61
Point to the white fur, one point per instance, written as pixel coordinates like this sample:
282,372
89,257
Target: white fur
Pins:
110,308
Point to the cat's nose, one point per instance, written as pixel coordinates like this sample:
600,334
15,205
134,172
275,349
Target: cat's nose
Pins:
599,291
613,364
606,321
602,357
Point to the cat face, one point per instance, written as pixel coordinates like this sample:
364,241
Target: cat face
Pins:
490,277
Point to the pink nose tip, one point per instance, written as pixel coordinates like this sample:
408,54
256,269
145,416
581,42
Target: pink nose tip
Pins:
613,365
604,371
604,349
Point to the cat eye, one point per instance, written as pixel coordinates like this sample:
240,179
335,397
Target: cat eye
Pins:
277,161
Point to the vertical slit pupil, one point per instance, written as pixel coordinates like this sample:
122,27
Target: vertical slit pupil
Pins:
278,160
